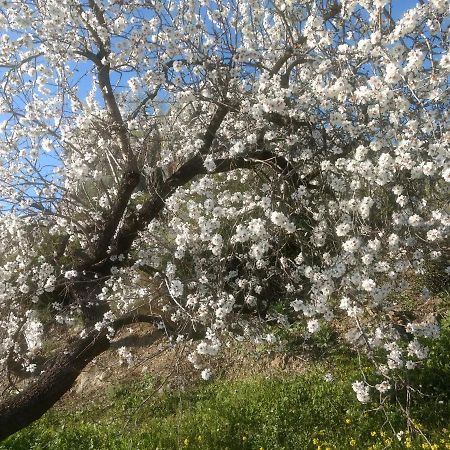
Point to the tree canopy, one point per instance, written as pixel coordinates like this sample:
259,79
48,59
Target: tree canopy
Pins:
263,163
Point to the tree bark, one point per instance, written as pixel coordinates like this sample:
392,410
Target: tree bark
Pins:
30,404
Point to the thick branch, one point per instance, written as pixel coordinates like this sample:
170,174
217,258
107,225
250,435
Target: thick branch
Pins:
30,404
194,167
126,187
213,127
104,81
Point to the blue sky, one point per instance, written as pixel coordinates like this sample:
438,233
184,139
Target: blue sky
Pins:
84,70
400,6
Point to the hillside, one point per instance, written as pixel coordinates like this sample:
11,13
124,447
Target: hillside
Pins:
259,397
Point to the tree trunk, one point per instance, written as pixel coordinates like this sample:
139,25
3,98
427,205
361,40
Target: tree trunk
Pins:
24,408
30,404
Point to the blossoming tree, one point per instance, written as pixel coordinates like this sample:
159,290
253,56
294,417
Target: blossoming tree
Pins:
245,154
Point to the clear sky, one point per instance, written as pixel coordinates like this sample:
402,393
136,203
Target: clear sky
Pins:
400,6
83,76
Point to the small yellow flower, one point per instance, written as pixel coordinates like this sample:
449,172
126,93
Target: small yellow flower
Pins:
348,421
373,433
315,441
352,443
244,438
186,442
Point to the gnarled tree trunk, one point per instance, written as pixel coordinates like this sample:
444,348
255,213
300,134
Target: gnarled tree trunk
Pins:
30,404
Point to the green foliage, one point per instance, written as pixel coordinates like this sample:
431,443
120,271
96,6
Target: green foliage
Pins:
324,343
51,434
436,277
434,377
296,412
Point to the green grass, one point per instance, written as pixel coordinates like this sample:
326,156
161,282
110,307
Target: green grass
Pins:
296,412
291,413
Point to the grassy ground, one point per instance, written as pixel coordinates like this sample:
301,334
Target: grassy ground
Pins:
298,412
303,411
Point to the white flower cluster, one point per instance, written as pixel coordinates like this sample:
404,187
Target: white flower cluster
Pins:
429,329
279,219
125,356
300,181
362,391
